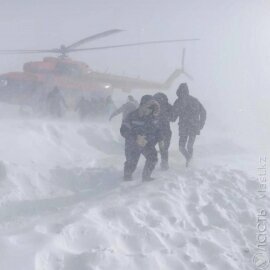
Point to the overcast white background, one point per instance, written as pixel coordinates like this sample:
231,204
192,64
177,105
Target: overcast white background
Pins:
230,63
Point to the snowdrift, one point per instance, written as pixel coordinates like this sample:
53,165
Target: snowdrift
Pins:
63,204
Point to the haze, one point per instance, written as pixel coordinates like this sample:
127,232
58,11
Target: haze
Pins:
229,63
63,201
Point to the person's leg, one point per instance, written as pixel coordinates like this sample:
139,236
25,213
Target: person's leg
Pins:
191,140
132,153
182,144
150,153
164,152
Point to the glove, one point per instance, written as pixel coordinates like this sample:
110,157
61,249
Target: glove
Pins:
141,141
161,145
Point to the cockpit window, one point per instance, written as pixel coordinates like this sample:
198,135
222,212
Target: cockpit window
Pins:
68,69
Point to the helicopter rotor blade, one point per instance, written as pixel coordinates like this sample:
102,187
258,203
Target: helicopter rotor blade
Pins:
132,45
28,51
183,59
71,49
94,37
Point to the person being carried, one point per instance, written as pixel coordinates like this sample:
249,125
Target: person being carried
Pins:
192,116
141,134
164,118
130,106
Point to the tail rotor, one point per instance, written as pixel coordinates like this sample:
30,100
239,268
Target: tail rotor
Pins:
182,69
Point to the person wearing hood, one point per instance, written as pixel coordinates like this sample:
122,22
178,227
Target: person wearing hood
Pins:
164,118
192,117
130,106
141,134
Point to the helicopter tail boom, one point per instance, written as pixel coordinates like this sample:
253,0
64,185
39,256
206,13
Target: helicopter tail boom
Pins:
171,78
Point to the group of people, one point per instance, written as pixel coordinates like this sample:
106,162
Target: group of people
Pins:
147,124
94,107
55,105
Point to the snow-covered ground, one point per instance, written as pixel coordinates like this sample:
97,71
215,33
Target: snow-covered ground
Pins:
64,206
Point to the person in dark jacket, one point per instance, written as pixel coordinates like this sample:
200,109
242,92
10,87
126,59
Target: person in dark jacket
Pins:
141,134
192,116
164,118
56,103
130,106
83,108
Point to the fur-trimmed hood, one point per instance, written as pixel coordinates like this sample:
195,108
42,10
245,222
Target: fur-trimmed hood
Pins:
151,104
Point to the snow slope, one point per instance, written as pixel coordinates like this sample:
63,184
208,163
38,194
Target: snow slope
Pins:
63,204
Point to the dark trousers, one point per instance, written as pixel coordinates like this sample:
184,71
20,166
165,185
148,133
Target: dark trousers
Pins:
133,153
164,152
186,142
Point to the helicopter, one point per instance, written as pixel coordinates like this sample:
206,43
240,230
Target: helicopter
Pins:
74,78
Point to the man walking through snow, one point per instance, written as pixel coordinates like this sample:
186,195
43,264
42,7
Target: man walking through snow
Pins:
141,134
192,116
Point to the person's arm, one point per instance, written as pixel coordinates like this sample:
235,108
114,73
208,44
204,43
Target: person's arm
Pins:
202,116
175,111
160,137
156,134
126,128
170,112
116,112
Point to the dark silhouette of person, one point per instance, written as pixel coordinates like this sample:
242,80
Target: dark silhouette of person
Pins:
130,106
192,116
56,103
164,118
141,134
83,108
